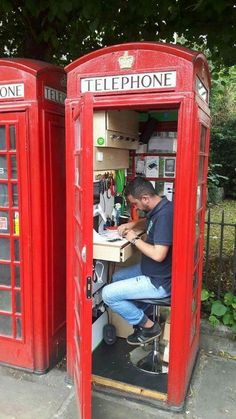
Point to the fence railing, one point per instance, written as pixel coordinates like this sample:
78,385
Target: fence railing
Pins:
219,271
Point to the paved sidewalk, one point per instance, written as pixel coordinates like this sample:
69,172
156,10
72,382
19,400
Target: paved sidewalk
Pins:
29,396
212,394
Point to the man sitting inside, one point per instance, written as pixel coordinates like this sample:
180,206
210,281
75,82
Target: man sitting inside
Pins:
151,278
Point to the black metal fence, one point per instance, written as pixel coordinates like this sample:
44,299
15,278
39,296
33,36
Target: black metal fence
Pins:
219,271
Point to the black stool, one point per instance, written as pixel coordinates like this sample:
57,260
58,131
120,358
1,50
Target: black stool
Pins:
152,362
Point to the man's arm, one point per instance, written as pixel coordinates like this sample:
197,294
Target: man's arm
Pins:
157,252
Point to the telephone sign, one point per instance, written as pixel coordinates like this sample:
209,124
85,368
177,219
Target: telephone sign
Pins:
157,80
11,91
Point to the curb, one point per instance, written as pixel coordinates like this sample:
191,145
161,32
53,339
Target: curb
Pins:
218,339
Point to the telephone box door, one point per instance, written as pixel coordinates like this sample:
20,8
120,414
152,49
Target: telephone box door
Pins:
82,232
15,269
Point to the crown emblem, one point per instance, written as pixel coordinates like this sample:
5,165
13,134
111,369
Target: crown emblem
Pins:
126,61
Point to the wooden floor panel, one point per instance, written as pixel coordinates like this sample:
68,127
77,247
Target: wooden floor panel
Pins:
112,366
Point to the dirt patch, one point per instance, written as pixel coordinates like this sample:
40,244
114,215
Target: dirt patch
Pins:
218,275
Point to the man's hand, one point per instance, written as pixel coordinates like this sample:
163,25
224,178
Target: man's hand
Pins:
124,228
130,235
138,224
156,252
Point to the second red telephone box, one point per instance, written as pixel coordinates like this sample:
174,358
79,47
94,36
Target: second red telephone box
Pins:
32,214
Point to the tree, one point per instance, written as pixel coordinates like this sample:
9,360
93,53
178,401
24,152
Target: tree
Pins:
223,132
60,31
223,95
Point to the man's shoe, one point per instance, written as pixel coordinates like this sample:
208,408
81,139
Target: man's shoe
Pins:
136,331
144,335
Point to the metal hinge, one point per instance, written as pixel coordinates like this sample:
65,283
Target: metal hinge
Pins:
89,287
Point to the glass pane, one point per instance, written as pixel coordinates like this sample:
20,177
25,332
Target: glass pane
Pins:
13,167
77,135
15,195
196,251
18,328
5,301
78,203
5,325
198,219
201,168
4,202
3,167
5,274
193,327
4,222
195,279
17,275
16,250
4,249
2,138
199,197
77,170
203,139
78,236
18,302
194,304
12,137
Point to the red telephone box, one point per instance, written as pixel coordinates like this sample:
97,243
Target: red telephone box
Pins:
32,214
170,84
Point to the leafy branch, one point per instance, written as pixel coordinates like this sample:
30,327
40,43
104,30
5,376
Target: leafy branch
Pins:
220,311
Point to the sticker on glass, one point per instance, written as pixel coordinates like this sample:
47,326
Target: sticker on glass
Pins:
3,223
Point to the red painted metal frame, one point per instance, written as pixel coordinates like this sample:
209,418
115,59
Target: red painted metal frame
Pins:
42,214
12,349
79,159
192,111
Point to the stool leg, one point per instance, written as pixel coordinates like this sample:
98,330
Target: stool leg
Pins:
157,366
152,362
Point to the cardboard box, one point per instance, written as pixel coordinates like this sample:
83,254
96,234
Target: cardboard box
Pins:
166,353
166,333
165,340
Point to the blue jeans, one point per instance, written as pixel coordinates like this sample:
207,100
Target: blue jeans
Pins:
119,296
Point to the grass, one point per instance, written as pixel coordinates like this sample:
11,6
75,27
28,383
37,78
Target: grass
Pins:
220,275
229,208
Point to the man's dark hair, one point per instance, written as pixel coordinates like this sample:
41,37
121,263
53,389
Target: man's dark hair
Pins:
139,187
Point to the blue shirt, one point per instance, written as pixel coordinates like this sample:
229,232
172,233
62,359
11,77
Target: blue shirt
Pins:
159,230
